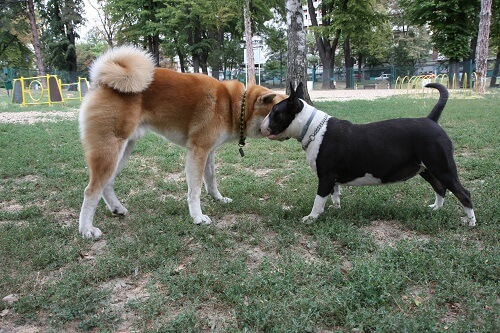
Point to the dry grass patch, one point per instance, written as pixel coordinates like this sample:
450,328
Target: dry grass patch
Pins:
388,233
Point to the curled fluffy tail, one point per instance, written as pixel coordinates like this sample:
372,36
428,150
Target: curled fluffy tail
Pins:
443,98
127,69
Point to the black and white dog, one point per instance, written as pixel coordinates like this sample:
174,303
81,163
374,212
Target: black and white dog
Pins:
342,153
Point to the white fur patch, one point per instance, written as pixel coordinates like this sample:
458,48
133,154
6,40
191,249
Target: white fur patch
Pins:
366,180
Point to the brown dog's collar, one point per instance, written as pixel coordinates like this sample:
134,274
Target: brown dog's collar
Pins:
241,143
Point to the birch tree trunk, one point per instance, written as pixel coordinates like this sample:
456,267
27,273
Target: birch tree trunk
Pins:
482,45
247,16
296,70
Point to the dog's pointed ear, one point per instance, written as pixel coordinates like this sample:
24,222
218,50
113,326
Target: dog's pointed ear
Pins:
300,91
267,98
292,91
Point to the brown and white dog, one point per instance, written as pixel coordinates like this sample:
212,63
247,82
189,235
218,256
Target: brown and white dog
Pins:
129,96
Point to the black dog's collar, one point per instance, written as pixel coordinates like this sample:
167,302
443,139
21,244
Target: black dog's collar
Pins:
306,127
312,137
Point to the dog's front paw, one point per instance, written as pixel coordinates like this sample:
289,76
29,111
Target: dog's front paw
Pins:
91,233
225,200
202,219
120,211
309,219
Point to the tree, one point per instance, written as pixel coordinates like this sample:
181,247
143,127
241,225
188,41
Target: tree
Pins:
327,37
359,22
495,41
411,46
62,20
107,28
453,24
296,70
138,23
247,17
15,35
34,35
276,41
482,44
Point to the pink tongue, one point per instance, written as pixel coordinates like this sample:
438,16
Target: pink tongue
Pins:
271,137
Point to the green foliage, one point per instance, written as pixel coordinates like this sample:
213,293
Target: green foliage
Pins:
452,22
14,30
61,20
411,48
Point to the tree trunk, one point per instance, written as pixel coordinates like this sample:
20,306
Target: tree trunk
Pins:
217,48
325,49
247,15
349,64
296,69
36,40
154,48
496,71
482,45
360,61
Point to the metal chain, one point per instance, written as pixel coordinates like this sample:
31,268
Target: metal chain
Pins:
312,137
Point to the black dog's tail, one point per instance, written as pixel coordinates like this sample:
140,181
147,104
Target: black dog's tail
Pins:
443,98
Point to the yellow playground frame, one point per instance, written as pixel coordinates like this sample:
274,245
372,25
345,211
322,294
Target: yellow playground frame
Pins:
416,84
46,89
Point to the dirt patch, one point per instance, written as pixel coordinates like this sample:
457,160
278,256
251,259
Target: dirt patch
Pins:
122,292
11,206
98,248
388,233
257,250
259,172
31,117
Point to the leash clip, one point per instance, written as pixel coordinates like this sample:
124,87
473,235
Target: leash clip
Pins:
242,153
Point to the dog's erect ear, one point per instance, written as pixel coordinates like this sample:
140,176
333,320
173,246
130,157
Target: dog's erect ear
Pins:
292,91
300,91
267,98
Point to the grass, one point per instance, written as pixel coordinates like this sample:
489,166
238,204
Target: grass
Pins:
382,263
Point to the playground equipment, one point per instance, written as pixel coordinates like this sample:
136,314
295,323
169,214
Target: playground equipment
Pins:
416,84
47,89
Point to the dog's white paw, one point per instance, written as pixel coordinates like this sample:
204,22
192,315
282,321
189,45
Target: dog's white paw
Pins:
225,200
202,219
120,211
91,233
471,222
435,206
309,219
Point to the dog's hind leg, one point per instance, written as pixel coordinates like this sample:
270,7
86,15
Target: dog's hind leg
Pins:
446,173
196,159
109,196
336,196
438,187
210,179
102,161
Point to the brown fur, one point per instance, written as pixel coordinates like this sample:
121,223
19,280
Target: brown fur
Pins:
191,110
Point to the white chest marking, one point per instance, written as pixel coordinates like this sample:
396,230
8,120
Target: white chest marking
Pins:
313,149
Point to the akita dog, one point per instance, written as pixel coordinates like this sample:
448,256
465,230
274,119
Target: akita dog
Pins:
129,96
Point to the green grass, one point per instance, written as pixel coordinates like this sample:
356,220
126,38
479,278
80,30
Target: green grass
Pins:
382,263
